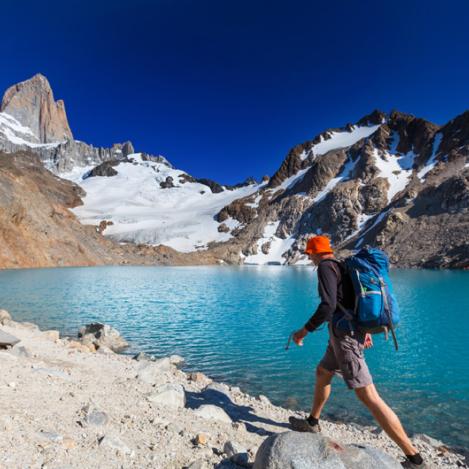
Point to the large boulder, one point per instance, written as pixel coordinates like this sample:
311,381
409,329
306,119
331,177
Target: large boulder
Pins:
103,335
294,450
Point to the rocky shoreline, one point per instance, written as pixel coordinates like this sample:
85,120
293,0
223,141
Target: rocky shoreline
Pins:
77,404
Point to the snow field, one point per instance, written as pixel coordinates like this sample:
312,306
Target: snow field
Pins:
181,217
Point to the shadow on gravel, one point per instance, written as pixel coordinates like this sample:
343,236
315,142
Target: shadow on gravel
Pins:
237,413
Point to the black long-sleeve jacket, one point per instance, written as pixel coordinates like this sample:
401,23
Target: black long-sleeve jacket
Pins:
334,285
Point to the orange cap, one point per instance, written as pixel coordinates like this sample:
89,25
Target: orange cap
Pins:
318,245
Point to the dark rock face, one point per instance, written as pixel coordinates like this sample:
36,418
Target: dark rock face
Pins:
214,186
290,166
32,103
104,169
237,210
371,192
168,183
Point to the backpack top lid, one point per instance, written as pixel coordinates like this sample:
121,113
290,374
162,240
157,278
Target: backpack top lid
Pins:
373,257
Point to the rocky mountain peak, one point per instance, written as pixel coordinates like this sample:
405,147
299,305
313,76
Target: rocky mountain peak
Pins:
31,102
374,118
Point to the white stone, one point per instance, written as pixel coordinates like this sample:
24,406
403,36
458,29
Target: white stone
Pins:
169,395
176,360
212,412
151,371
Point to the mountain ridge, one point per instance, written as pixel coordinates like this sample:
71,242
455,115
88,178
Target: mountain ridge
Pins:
390,179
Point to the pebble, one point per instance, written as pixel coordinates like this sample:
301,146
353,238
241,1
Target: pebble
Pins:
116,444
97,418
69,443
51,436
201,439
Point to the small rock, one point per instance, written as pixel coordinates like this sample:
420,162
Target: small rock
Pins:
69,443
51,436
7,340
201,439
96,417
176,360
212,412
20,351
51,335
115,444
150,372
4,316
236,453
169,395
12,385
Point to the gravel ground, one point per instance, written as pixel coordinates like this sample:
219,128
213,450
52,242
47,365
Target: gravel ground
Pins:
64,406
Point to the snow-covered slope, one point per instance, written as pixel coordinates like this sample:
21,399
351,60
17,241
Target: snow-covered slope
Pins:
182,217
341,139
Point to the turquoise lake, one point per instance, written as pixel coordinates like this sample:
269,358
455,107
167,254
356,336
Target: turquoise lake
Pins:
232,323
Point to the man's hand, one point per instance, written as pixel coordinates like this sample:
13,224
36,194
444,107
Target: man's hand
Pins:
299,335
368,341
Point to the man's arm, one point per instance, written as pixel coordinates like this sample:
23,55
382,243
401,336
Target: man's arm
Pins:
327,286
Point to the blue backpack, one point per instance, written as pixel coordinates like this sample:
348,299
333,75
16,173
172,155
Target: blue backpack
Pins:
376,309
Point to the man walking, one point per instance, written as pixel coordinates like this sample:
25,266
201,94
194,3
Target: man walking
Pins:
344,353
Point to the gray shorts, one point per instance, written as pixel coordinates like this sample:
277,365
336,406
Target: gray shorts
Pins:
344,356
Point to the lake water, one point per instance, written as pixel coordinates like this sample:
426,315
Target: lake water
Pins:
233,323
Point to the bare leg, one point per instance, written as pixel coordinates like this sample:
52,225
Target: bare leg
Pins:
322,390
386,418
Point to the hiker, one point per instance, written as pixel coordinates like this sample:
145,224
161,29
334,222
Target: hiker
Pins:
344,353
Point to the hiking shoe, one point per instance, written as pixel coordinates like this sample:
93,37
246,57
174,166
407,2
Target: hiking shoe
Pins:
410,465
302,425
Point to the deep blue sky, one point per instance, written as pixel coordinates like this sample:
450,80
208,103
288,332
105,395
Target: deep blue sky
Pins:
224,88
